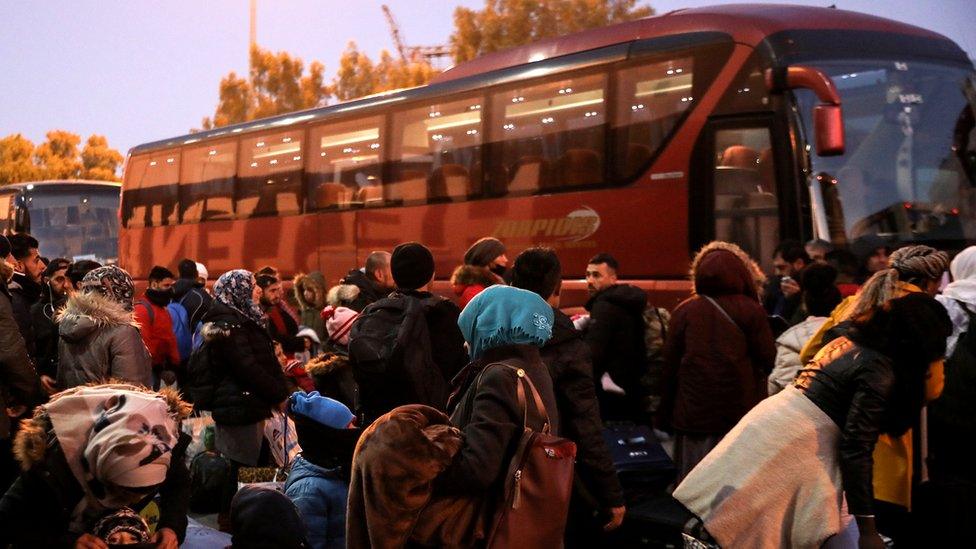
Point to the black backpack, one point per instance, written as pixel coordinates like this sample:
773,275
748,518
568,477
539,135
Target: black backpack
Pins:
390,354
202,379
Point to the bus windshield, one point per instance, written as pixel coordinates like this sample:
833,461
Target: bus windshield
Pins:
77,223
908,171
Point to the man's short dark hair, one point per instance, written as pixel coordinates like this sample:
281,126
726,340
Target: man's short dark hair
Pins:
537,270
376,260
791,250
21,245
605,258
56,265
265,279
187,269
159,273
79,269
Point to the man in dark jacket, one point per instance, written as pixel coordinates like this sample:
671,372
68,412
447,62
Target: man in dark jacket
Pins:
568,359
412,268
25,286
374,280
283,327
615,335
782,295
189,292
57,285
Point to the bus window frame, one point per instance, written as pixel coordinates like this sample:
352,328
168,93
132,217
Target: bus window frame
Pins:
344,119
303,132
149,156
236,140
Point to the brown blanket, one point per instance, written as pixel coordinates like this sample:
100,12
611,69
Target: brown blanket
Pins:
395,462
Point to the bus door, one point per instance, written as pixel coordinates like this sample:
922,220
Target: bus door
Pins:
742,187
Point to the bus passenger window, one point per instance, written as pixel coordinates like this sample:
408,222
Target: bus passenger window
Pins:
270,175
436,150
651,99
207,182
746,207
151,189
549,136
344,165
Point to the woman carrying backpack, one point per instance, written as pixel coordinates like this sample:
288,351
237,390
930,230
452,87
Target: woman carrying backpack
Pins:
248,378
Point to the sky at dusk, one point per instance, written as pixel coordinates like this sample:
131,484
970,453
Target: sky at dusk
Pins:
137,71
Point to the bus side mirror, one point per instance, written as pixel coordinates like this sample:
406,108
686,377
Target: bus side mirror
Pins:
828,118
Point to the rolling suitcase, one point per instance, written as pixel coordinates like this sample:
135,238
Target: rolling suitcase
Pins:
641,462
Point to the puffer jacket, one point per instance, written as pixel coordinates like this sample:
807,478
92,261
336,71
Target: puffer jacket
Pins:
320,495
568,360
100,340
36,511
310,312
716,365
788,347
469,281
242,355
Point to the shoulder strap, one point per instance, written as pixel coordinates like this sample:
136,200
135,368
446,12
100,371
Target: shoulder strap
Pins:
522,380
149,309
721,310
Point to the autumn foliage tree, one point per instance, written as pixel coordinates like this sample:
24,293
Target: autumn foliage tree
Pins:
57,157
359,76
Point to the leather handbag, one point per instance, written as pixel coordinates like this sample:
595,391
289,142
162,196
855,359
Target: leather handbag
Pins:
538,483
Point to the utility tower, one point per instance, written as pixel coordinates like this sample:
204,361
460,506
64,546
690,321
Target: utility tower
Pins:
413,54
254,25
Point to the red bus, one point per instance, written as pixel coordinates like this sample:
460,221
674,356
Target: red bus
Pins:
645,139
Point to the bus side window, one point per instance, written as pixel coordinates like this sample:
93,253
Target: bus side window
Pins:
270,175
549,136
651,99
746,207
207,182
151,196
436,152
345,165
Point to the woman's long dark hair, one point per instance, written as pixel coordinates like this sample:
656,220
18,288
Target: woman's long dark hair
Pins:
912,332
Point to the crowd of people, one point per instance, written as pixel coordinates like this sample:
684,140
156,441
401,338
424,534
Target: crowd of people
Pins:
828,403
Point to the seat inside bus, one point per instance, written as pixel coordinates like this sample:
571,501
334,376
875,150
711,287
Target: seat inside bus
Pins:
332,195
450,182
528,174
745,206
580,167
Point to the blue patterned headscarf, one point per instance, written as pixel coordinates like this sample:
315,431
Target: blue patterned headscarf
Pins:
236,289
502,315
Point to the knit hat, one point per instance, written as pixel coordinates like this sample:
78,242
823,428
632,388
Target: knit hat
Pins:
324,410
202,271
484,251
502,315
125,520
263,517
412,265
338,323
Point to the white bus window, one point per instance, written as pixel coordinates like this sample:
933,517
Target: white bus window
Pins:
436,153
151,189
651,98
207,182
345,164
270,175
549,136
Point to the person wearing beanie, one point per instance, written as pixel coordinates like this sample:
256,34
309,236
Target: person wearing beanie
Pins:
484,265
412,382
122,527
318,483
264,518
93,450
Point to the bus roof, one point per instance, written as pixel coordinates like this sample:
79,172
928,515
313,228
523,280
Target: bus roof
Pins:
60,182
748,24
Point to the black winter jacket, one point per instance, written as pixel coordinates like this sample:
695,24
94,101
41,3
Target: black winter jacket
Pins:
36,510
489,416
369,292
193,298
568,360
242,355
18,382
24,293
615,335
46,333
852,385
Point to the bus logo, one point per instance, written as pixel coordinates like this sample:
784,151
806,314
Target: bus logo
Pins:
578,225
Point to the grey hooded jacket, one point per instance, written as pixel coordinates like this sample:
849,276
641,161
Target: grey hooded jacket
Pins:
100,340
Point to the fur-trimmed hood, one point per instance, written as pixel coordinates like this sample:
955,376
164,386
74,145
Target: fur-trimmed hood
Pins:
731,271
31,443
314,281
85,313
470,275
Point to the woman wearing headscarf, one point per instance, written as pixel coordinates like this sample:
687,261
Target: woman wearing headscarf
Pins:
250,380
780,476
501,325
484,265
93,450
99,337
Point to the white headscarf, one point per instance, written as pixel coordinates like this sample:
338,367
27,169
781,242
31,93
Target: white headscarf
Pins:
960,294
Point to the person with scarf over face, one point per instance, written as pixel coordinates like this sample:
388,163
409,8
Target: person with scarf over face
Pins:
99,335
156,325
92,450
484,265
250,381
